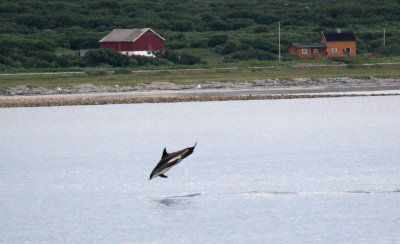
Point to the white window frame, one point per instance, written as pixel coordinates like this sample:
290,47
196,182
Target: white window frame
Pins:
334,49
304,51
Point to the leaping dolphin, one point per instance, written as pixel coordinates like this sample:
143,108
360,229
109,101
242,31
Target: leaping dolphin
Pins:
168,160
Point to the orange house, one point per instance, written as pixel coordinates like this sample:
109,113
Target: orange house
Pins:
339,43
308,50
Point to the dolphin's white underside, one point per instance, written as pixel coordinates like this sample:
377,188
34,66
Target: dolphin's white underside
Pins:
178,158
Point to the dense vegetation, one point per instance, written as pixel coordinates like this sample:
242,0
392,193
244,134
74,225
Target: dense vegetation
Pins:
36,33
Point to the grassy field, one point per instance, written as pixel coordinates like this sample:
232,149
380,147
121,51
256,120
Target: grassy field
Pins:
237,72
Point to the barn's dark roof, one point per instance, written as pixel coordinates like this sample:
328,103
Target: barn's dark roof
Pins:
339,36
126,35
311,45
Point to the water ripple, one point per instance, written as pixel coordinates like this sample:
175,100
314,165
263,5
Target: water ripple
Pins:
182,199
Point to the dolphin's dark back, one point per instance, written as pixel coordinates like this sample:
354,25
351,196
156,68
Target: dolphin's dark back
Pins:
167,160
185,152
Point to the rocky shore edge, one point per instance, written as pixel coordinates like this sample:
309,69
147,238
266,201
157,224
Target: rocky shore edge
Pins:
197,85
89,94
71,101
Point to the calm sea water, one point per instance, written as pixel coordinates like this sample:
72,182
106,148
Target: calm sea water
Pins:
284,171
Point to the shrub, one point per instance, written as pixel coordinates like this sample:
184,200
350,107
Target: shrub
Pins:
176,44
253,54
178,58
217,40
123,72
390,50
70,61
262,43
2,68
217,25
345,60
260,29
181,25
235,24
96,72
143,61
227,48
354,66
106,56
196,43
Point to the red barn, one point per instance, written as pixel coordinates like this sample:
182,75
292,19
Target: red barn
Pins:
133,41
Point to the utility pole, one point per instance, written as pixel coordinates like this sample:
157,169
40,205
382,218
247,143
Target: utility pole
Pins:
384,38
279,40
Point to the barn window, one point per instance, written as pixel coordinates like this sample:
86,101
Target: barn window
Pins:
334,50
304,51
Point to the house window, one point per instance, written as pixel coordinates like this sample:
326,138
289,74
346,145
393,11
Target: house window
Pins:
315,50
304,51
334,50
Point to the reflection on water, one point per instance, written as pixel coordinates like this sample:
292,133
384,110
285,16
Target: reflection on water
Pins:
185,200
315,192
168,202
179,200
373,191
189,195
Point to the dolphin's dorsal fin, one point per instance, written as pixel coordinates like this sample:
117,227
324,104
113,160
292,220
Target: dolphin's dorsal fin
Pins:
164,153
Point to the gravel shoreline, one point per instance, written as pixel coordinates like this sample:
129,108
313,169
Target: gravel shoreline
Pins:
265,84
85,94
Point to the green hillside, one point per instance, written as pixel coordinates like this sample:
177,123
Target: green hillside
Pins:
38,34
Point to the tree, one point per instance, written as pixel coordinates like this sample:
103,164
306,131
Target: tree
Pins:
106,56
30,20
178,58
227,48
217,40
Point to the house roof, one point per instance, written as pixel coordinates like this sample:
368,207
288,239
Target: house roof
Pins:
126,35
339,36
310,45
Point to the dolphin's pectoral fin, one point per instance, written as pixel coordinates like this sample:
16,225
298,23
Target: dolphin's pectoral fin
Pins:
163,176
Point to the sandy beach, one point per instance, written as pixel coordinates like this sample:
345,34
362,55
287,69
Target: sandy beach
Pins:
88,94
